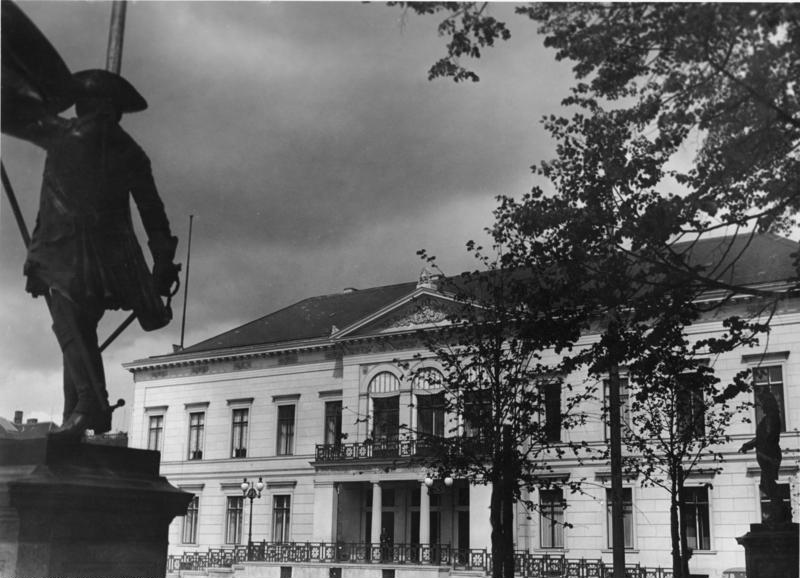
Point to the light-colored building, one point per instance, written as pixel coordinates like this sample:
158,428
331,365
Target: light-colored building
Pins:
309,400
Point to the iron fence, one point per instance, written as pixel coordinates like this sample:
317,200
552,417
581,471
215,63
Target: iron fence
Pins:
526,565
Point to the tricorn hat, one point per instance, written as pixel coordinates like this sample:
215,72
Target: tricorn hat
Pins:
97,83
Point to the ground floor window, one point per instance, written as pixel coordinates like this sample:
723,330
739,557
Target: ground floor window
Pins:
551,518
280,518
627,517
189,535
696,517
233,520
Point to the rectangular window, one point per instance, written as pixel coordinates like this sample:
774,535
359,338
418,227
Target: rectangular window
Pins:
552,409
770,378
333,423
691,410
430,414
477,412
196,430
189,535
280,518
155,432
239,433
285,430
233,520
624,405
386,418
551,518
783,490
627,516
696,517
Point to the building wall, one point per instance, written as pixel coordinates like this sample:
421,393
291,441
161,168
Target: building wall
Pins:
310,379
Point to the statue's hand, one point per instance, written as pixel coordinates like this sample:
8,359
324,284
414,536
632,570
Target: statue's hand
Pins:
165,274
165,271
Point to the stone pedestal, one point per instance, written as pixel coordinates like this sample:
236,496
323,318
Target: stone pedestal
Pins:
771,552
80,510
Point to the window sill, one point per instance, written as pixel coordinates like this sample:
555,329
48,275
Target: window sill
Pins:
704,552
627,551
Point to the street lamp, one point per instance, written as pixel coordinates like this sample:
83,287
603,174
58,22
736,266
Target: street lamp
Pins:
251,491
429,481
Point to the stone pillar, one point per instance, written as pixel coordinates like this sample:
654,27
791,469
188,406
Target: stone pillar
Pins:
84,510
480,529
325,506
424,515
377,507
772,551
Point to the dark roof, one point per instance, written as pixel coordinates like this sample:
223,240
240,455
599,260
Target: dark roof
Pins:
311,318
35,430
766,258
28,430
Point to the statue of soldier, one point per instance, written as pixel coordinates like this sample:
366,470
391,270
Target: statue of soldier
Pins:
83,255
768,454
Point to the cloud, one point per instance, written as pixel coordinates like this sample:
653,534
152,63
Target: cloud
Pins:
308,143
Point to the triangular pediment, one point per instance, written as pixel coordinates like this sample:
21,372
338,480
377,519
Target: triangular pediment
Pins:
423,309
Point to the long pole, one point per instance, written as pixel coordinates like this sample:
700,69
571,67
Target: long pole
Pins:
251,495
186,283
116,35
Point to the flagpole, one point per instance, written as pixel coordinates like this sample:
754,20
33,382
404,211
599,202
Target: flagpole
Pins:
186,279
116,35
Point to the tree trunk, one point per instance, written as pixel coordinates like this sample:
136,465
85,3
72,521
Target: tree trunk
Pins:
615,441
675,536
508,528
509,478
496,519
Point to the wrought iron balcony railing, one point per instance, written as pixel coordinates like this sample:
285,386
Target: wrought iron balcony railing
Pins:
394,448
526,565
381,448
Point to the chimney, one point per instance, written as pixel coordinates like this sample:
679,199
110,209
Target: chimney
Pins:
18,417
32,421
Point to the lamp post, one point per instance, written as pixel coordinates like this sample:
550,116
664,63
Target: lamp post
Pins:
251,491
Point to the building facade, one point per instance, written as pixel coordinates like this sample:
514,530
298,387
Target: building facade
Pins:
318,402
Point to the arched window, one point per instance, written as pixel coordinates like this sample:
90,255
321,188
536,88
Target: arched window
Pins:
384,392
428,379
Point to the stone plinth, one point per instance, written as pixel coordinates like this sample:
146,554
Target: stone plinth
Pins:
80,510
771,552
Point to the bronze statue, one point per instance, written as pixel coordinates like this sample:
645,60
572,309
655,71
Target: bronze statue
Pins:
768,454
83,255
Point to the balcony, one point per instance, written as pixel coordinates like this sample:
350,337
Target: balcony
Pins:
368,450
393,449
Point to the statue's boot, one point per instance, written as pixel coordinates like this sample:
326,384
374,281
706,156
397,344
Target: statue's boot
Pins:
75,426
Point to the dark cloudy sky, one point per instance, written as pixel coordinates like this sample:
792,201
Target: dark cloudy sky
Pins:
309,145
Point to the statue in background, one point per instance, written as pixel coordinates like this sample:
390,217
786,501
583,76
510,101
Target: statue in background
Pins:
83,254
768,455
